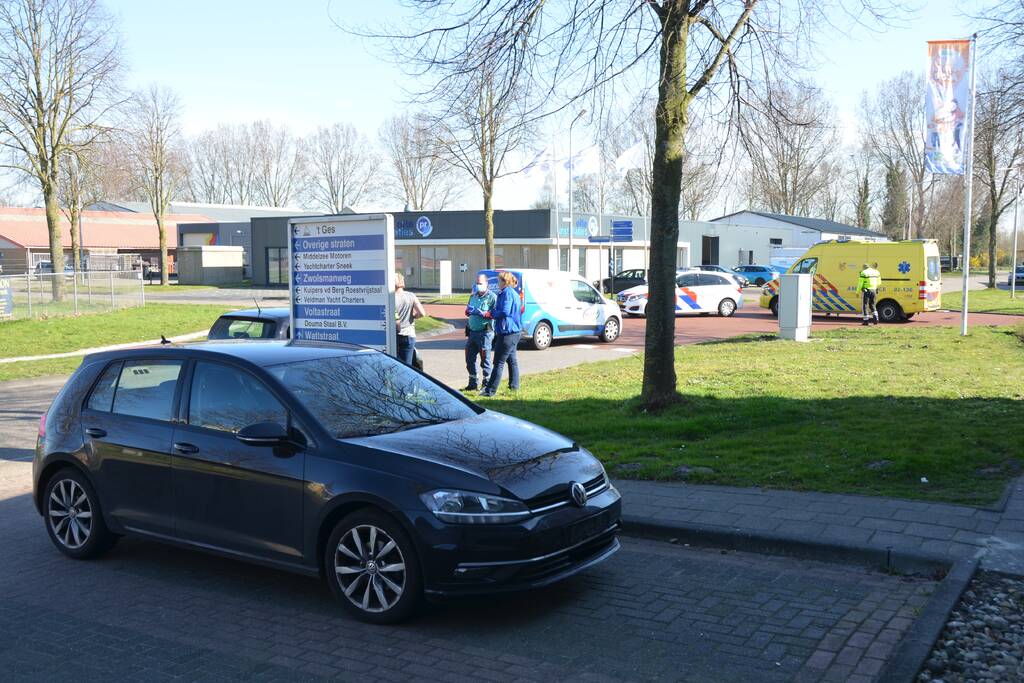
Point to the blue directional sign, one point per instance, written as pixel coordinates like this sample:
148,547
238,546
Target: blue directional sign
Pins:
598,239
622,224
342,280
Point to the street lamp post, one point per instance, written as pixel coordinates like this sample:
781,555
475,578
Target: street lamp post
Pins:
571,164
1013,256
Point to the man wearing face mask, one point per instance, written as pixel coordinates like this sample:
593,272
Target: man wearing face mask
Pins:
479,332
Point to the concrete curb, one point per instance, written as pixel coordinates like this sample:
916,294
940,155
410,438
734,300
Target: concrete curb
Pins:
436,332
770,543
113,347
919,640
915,646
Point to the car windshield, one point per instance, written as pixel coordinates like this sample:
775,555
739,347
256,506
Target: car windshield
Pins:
368,393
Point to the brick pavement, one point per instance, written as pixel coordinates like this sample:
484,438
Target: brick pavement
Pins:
655,611
937,529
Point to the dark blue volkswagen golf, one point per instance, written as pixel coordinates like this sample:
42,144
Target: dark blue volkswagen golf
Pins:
338,461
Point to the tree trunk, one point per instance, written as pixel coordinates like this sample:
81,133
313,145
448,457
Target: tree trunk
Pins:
671,118
993,239
56,246
74,215
488,229
164,277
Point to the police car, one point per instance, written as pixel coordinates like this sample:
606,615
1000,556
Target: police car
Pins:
696,292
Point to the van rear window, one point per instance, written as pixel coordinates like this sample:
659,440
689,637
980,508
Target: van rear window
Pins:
934,268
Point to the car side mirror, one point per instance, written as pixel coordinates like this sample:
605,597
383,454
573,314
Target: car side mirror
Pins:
264,434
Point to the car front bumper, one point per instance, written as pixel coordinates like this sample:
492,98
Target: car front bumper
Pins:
463,559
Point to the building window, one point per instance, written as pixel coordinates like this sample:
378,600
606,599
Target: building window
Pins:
775,241
581,260
277,265
499,257
526,257
563,259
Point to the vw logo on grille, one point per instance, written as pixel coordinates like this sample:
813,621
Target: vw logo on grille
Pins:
579,494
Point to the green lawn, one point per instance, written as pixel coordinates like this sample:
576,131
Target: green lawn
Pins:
986,301
454,299
59,335
427,324
856,410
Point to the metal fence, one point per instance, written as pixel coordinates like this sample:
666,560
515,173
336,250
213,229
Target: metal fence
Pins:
37,295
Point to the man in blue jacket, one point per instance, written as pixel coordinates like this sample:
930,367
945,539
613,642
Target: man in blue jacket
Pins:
508,329
479,332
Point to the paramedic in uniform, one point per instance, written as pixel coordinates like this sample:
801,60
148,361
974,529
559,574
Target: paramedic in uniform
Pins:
867,284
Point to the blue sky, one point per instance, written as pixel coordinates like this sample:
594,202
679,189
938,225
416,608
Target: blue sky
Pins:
234,61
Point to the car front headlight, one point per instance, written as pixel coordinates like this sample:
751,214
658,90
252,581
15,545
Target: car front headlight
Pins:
634,297
462,507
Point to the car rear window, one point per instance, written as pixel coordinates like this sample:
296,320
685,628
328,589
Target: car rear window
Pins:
242,328
934,268
368,393
146,389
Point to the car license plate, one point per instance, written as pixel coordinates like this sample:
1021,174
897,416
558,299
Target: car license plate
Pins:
582,530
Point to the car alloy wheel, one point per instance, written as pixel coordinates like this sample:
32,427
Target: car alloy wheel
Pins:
611,330
69,512
370,568
726,307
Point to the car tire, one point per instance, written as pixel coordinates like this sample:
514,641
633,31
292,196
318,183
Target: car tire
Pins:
889,311
374,549
612,329
759,282
726,307
773,306
73,518
541,336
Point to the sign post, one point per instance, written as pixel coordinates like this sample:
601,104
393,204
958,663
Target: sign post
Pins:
342,280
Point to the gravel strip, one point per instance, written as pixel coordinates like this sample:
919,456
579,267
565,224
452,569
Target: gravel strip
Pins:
984,638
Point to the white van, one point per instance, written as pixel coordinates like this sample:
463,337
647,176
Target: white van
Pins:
560,305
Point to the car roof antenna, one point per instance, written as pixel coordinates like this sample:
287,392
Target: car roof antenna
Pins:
165,340
259,310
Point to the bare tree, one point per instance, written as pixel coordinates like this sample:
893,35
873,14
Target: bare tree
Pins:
481,122
223,166
342,167
280,163
1003,22
153,145
998,153
421,177
58,61
79,187
790,141
892,124
698,49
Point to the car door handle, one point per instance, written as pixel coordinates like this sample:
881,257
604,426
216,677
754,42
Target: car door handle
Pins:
96,432
186,448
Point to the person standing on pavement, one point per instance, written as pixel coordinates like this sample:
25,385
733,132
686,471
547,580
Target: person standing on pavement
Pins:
479,332
867,284
508,328
407,309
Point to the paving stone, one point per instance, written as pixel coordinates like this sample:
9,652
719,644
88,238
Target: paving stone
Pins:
155,613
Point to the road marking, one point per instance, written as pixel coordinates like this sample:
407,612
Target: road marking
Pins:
622,349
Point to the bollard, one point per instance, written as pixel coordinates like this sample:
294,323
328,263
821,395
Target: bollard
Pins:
28,283
142,291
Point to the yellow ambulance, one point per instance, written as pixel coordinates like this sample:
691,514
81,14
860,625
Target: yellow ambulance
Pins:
911,281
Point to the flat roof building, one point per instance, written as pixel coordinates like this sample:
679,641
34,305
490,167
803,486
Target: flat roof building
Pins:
111,240
531,238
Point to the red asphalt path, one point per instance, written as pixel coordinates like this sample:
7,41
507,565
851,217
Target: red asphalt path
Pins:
749,319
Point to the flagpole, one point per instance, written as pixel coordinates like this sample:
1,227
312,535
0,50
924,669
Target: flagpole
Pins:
558,213
968,187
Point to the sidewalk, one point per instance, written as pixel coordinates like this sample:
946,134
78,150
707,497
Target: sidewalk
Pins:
995,538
